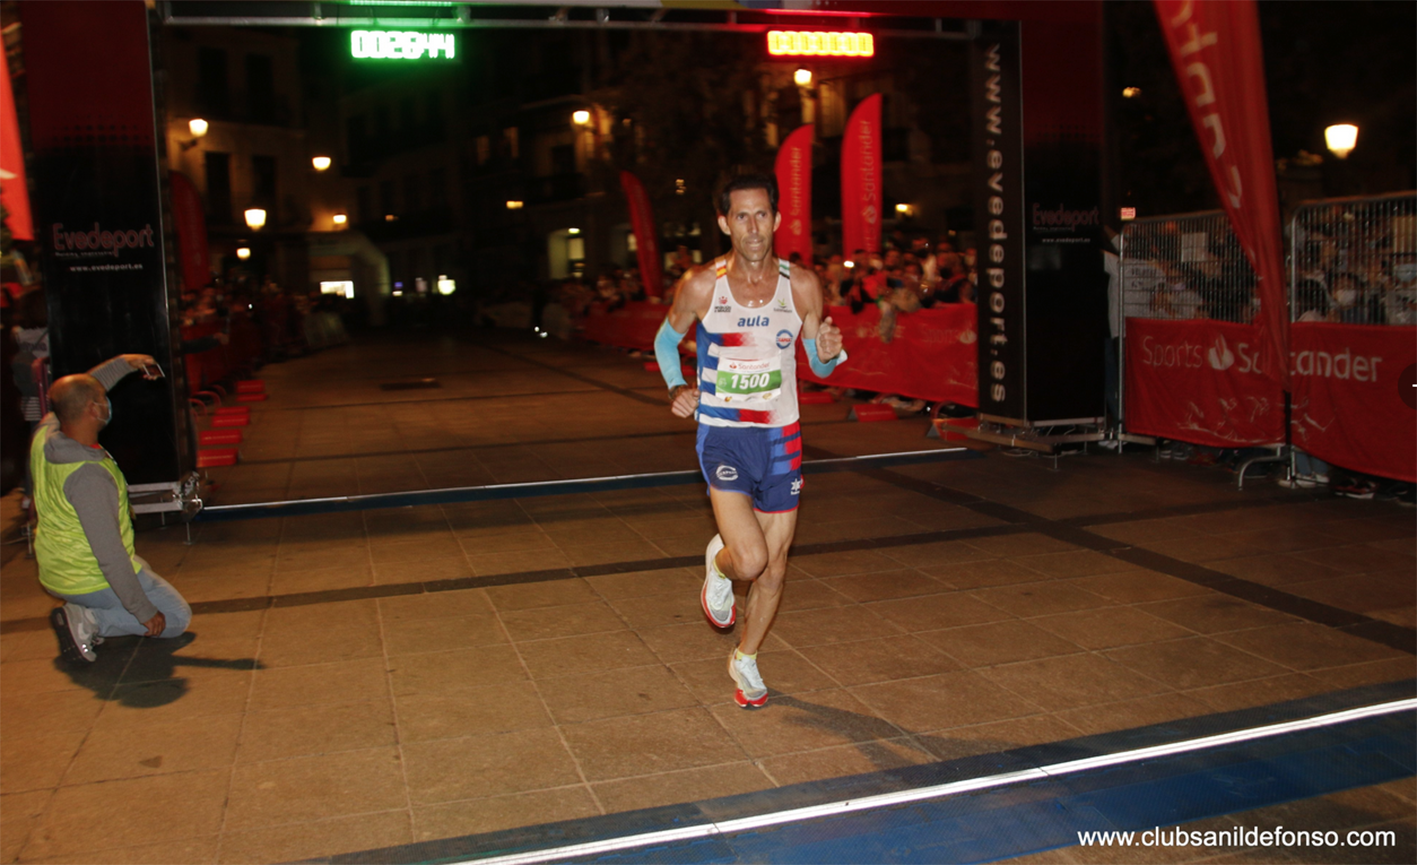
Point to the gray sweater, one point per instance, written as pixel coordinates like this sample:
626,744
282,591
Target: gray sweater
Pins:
94,495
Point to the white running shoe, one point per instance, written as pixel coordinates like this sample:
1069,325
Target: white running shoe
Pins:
717,596
751,692
75,631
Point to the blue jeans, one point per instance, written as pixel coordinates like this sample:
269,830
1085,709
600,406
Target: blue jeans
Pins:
115,621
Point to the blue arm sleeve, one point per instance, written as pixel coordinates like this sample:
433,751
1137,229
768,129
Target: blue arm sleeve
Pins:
820,367
666,351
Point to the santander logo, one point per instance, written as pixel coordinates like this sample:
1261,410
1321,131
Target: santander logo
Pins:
1220,356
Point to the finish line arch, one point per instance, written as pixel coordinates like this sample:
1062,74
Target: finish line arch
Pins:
1038,150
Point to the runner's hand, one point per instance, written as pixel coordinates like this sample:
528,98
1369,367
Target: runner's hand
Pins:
828,340
684,400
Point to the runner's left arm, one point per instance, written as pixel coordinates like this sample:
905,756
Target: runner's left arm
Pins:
820,336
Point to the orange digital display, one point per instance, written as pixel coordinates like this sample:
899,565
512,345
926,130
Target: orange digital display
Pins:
820,43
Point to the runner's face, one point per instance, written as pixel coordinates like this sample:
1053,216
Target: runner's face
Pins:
750,223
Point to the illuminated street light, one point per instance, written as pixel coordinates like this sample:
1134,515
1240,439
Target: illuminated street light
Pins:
320,162
515,205
197,126
573,231
581,117
255,218
1131,92
1341,138
243,252
803,77
340,218
904,209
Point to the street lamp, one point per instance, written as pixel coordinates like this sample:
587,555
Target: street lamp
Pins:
580,117
320,162
340,218
243,252
197,126
255,218
803,77
1341,138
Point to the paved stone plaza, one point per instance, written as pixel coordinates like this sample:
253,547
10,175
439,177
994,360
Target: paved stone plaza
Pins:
377,678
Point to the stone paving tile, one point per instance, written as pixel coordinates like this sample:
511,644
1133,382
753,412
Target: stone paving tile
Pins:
338,726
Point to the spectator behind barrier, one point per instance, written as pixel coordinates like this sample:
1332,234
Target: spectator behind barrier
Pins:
84,540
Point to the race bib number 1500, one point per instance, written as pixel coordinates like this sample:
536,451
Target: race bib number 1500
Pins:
741,379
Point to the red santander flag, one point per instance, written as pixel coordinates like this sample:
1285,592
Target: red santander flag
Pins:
12,164
646,235
794,196
861,192
1215,50
191,227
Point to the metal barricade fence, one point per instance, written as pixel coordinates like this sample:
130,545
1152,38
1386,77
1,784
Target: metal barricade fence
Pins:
1187,266
1354,260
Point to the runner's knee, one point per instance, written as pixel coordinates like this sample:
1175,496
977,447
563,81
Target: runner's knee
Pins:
749,563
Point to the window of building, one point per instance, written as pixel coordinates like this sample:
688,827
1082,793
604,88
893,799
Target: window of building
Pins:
438,187
509,141
218,171
484,149
362,204
263,184
563,159
412,193
386,197
381,123
261,88
433,103
357,142
213,96
408,118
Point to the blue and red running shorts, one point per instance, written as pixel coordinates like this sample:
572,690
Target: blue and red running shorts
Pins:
764,463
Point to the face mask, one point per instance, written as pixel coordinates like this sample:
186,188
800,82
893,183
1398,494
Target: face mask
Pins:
109,418
1345,296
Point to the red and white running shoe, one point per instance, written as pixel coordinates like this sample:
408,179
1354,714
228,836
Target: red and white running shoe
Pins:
751,692
717,596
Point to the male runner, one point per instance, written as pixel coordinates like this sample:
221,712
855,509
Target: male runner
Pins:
750,307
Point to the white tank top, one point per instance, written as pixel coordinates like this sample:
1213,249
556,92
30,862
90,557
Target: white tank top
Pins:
748,357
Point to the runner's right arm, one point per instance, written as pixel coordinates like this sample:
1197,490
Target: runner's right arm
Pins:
690,301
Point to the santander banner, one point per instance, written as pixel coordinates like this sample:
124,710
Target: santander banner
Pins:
191,227
861,191
1202,382
646,235
794,196
1352,403
1215,50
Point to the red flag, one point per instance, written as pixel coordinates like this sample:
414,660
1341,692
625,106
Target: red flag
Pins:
12,164
861,198
191,228
1215,49
794,196
646,235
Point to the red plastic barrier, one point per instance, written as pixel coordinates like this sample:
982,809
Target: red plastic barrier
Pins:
1351,404
931,357
220,437
631,326
216,457
229,410
1199,381
871,412
251,397
231,420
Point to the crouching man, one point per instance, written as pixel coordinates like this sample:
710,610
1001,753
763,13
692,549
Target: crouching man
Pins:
84,540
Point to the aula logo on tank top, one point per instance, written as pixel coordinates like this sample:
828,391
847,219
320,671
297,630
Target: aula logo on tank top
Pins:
755,321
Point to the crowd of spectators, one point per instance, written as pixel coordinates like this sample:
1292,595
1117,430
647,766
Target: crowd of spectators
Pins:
1351,266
